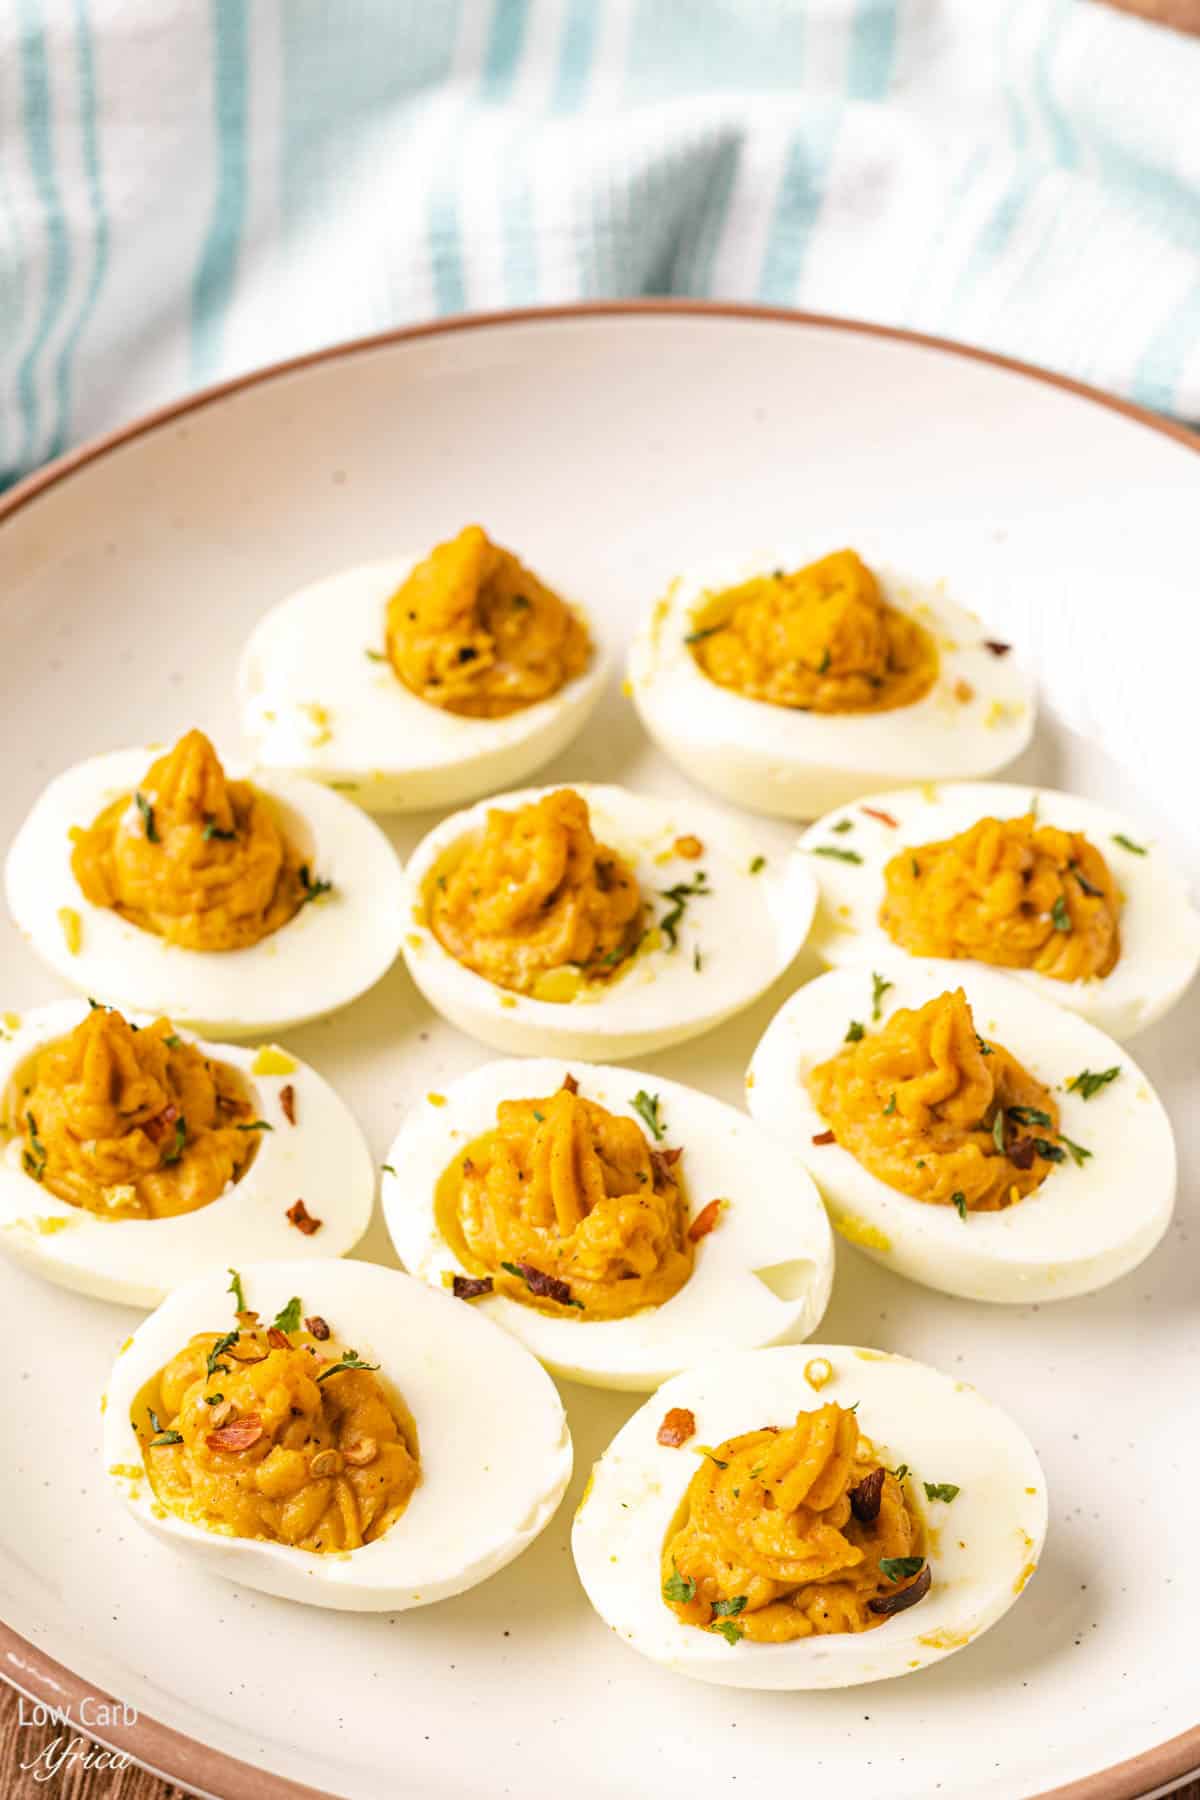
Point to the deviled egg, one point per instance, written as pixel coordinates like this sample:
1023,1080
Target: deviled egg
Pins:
965,1132
591,921
374,1448
133,1156
621,1227
420,682
791,689
1068,898
809,1517
156,880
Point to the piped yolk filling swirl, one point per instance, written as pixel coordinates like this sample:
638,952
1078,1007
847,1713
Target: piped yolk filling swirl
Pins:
818,639
537,905
1009,892
566,1189
132,1124
476,633
938,1112
782,1534
199,860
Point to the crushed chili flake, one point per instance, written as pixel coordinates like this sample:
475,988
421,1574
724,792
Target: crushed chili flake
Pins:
158,1127
996,647
825,1137
1021,1153
299,1216
677,1427
316,1327
278,1340
663,1161
570,1083
705,1220
547,1287
865,1498
877,812
469,1287
239,1434
908,1596
287,1103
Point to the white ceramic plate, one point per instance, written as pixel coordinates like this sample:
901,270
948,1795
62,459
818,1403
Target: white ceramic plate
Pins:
612,448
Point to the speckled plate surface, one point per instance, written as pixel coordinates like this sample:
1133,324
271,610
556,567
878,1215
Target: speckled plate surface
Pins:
615,448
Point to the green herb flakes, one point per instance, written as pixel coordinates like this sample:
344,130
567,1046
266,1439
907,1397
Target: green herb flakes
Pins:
879,988
1127,843
646,1107
840,855
899,1568
677,1587
1087,1085
236,1289
941,1490
855,1032
958,1201
147,812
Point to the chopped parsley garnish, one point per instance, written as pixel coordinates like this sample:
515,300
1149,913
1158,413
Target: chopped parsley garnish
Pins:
646,1107
890,1108
854,1032
312,889
213,1399
729,1609
757,864
733,1634
34,1160
679,895
826,659
677,1587
288,1317
520,602
1029,1115
712,1457
850,856
1078,1154
540,1117
985,1049
958,1201
1060,915
147,812
899,1568
694,637
1087,886
376,655
879,988
1049,1152
899,1473
387,1168
173,1042
915,866
174,1149
160,1435
254,1125
1127,843
941,1490
1086,1084
998,1131
212,830
843,825
350,1360
237,1290
213,1362
697,959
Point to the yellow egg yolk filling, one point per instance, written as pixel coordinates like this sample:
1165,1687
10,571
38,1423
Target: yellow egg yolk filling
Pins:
787,1534
938,1112
199,860
475,632
1010,892
537,905
818,639
263,1434
132,1124
564,1189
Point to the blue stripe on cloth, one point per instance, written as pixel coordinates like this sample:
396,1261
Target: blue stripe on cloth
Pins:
212,288
445,233
505,43
798,205
35,92
520,220
872,49
575,57
1066,151
1162,363
11,309
698,272
681,47
86,71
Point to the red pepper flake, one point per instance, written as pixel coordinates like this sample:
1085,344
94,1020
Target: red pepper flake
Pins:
570,1084
278,1340
865,1498
469,1287
299,1216
546,1287
996,647
157,1128
677,1427
663,1161
877,812
908,1596
825,1137
239,1434
705,1220
316,1327
1021,1153
287,1103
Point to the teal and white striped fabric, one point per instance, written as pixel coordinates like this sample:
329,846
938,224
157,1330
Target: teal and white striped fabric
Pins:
191,187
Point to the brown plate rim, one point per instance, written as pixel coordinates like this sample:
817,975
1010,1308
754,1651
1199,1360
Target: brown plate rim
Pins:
199,1767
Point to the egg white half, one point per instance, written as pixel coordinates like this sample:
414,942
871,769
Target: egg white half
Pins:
732,942
983,1546
774,759
327,955
1083,1228
762,1276
322,1158
318,698
495,1450
1160,928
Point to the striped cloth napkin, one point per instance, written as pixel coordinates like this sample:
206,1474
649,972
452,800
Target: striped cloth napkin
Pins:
192,187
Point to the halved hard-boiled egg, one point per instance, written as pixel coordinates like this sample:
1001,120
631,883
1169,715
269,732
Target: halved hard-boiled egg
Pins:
1060,893
162,884
133,1156
790,689
809,1517
591,921
420,682
965,1132
373,1448
621,1227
